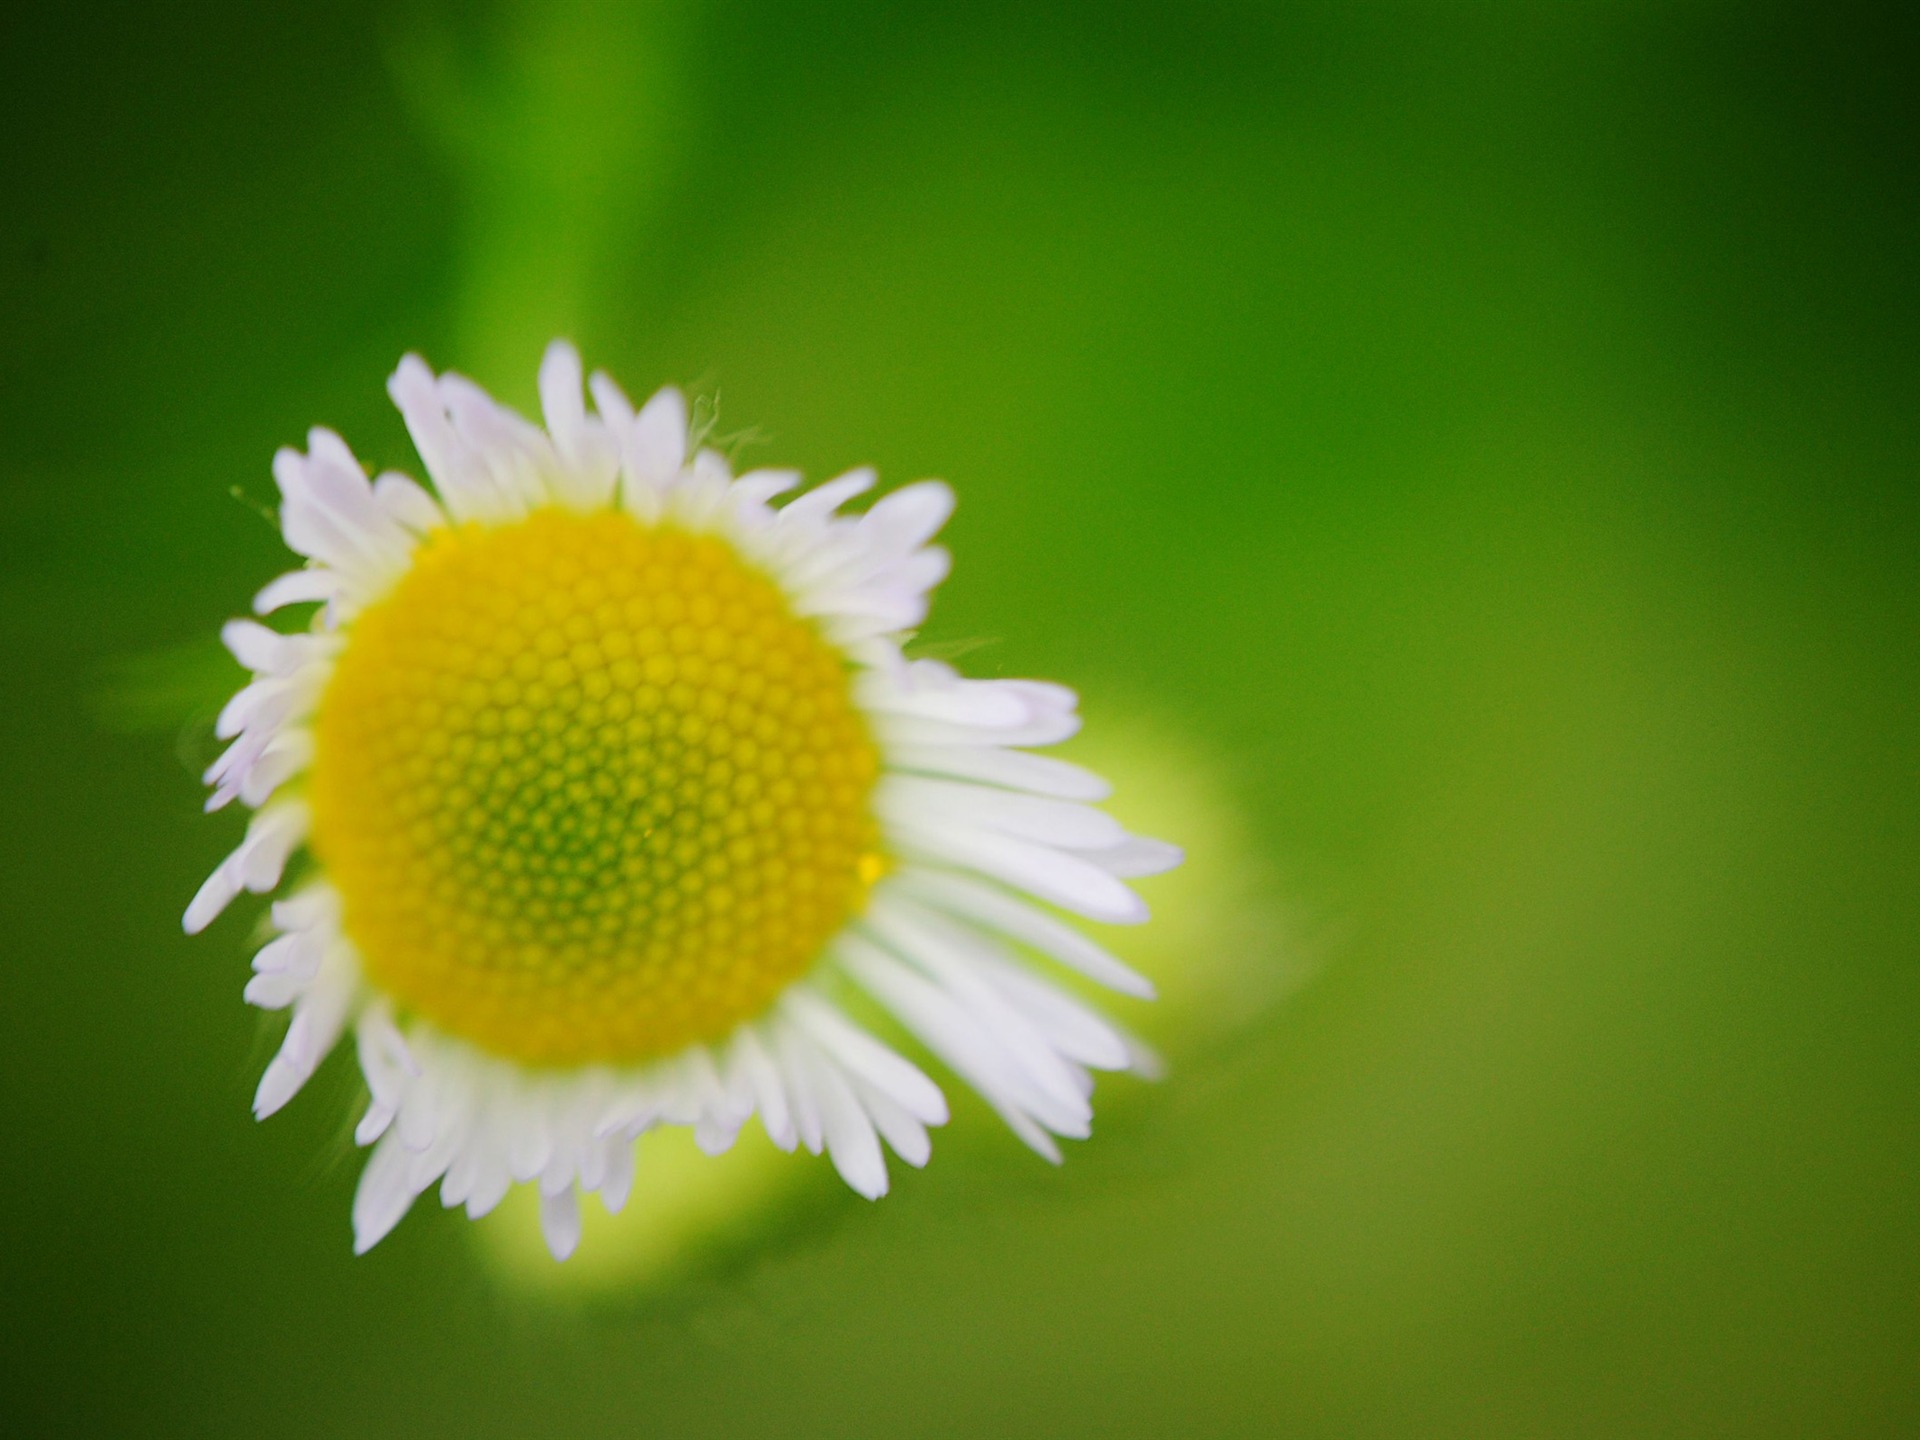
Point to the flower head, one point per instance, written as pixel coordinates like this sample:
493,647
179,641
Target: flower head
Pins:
608,778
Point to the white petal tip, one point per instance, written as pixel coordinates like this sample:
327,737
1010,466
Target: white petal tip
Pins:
278,1085
383,1197
1138,855
1144,1061
560,1222
660,436
1042,1144
1129,982
205,907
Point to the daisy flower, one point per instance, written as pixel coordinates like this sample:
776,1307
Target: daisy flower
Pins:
598,788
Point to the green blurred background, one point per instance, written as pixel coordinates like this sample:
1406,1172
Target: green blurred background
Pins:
1476,442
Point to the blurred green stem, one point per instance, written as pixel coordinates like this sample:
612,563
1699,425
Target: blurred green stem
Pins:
562,120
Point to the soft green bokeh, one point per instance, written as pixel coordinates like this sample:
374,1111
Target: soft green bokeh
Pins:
1464,454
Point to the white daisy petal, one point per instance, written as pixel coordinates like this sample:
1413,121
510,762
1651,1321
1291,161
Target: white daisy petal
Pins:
814,507
1071,1028
858,624
750,493
491,1177
918,799
273,992
660,438
595,1157
327,513
383,1196
636,490
518,458
337,482
769,1096
616,411
618,1184
373,1124
956,957
529,1129
319,1016
989,1058
960,702
296,587
636,1107
589,459
385,1060
796,1079
253,645
1013,769
1136,855
270,840
908,518
861,1055
283,757
560,1222
213,896
256,865
985,905
700,499
905,1135
714,1135
561,405
296,954
950,1033
264,703
1056,876
1044,727
315,908
463,482
408,505
850,1140
909,580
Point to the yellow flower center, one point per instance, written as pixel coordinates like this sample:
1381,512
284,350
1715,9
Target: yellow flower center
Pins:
589,790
